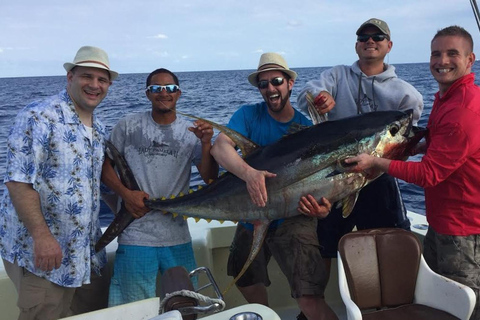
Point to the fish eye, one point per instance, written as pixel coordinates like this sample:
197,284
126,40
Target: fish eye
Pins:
394,130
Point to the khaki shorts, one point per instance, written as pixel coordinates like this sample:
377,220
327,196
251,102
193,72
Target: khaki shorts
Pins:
92,296
39,298
457,258
294,245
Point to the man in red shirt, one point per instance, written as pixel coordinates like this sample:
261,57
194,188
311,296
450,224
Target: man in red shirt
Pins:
450,169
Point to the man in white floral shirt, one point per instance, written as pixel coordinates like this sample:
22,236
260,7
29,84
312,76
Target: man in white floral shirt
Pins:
49,213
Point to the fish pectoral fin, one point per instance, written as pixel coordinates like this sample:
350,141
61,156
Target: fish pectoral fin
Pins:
348,204
259,233
333,173
342,166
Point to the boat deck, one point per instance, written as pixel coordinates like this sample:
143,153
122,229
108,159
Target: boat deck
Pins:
211,242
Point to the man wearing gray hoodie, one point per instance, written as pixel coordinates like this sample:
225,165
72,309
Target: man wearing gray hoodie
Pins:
343,91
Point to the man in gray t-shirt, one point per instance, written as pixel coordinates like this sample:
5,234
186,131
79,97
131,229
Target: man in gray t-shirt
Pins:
160,149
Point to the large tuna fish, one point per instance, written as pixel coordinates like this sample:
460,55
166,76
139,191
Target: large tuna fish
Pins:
309,161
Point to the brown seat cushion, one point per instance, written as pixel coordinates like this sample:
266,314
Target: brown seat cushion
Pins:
381,266
410,312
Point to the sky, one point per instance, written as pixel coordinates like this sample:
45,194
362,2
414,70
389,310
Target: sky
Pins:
37,37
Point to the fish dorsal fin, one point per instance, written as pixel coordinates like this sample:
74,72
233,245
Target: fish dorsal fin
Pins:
259,233
296,127
246,145
348,204
314,115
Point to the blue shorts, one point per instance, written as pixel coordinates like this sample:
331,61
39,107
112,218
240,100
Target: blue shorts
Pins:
136,268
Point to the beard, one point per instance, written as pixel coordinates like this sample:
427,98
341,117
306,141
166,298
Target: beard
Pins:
275,107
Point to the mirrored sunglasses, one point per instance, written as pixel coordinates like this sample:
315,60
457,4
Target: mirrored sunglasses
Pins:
169,88
375,37
263,84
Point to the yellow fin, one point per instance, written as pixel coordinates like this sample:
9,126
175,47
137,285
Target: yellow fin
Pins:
190,191
348,204
208,220
172,197
181,194
196,219
259,232
185,217
174,215
199,187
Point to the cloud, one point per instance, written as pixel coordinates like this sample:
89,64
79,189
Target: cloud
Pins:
309,33
160,36
294,24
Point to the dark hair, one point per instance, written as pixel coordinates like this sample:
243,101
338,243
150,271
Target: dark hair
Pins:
162,70
287,77
455,31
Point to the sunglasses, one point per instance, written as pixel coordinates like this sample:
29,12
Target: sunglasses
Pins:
375,37
263,84
169,88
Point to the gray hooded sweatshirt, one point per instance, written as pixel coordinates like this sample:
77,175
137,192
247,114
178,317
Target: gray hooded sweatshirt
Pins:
356,93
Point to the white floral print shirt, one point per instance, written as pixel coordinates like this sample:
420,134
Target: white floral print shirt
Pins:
50,148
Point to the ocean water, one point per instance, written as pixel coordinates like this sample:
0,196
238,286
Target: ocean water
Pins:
214,95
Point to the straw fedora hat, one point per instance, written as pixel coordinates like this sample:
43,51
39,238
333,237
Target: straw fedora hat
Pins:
92,57
271,61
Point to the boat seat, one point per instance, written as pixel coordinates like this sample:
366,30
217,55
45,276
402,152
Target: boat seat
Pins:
383,275
177,279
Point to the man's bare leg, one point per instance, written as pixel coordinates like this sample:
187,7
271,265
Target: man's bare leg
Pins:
256,293
315,308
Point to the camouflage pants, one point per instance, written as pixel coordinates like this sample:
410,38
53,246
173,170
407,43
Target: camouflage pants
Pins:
457,258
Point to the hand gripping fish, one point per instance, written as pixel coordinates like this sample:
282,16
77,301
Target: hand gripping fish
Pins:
310,161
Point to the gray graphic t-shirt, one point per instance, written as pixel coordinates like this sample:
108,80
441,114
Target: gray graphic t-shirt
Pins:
160,157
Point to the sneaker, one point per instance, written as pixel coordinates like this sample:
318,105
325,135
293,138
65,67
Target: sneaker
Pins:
301,316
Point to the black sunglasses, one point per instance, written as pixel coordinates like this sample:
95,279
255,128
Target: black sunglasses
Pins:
375,37
169,88
263,84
